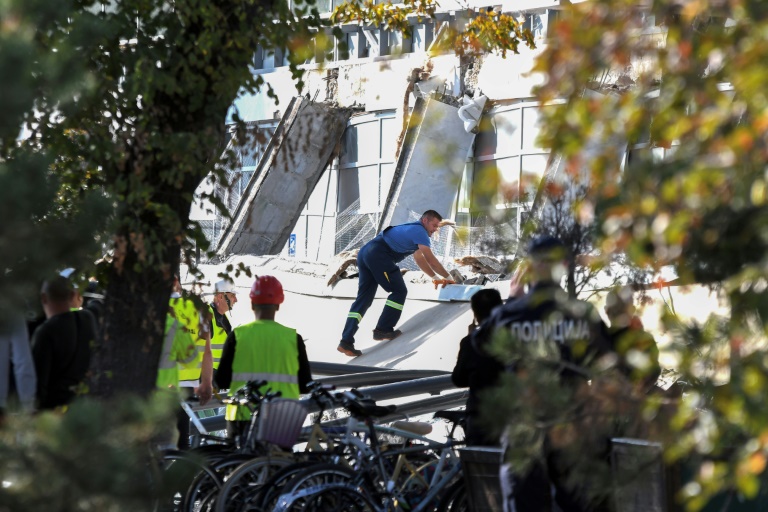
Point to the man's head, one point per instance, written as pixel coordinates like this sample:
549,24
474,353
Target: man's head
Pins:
224,296
76,302
266,295
548,259
483,303
56,295
430,219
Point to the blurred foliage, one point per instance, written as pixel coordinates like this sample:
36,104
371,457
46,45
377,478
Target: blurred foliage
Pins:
682,84
97,456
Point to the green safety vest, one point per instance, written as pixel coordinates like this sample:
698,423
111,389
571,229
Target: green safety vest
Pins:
266,350
218,337
187,314
178,349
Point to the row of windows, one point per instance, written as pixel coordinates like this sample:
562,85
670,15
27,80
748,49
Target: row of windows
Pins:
359,43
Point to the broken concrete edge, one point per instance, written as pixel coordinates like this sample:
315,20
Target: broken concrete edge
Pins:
310,278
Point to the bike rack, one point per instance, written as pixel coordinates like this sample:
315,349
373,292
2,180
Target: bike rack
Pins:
380,385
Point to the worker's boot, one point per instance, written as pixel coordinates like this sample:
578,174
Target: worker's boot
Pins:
386,335
348,349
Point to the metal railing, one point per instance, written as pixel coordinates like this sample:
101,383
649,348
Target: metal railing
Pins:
380,384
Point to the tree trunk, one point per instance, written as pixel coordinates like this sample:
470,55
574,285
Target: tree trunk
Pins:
136,306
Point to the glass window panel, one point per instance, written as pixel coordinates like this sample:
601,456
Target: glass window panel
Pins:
352,44
531,127
508,131
349,147
268,61
324,5
485,185
509,180
349,188
388,139
368,180
533,168
485,142
395,40
387,175
368,142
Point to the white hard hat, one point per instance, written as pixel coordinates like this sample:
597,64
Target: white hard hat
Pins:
224,286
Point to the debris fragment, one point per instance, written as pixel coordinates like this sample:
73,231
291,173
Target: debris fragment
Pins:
339,265
482,264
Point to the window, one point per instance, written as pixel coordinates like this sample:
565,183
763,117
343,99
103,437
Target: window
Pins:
508,163
367,162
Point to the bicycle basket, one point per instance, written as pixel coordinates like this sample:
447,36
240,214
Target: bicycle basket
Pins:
280,421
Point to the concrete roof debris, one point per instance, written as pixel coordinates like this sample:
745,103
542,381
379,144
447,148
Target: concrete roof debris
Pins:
339,265
482,264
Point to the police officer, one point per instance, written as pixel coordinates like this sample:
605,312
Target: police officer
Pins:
262,350
544,332
377,265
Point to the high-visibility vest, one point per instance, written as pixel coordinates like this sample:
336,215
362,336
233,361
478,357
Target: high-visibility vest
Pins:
266,350
187,314
178,349
218,337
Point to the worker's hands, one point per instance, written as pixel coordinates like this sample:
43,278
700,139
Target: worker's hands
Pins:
443,282
204,391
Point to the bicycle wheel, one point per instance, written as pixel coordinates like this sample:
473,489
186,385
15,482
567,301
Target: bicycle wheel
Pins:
266,497
246,480
179,471
303,485
335,498
455,498
203,490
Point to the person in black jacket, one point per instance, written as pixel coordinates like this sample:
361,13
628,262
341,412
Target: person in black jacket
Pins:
476,369
61,346
550,344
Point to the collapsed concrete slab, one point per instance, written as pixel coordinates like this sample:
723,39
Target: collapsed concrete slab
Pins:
430,163
291,166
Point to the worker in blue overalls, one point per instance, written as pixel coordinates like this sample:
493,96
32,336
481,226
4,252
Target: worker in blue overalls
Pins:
377,265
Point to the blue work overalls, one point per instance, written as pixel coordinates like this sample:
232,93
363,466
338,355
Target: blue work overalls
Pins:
377,264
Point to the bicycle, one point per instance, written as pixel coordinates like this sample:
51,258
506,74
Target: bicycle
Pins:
376,477
203,491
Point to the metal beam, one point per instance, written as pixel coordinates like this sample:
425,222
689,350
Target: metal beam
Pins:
320,368
382,377
428,385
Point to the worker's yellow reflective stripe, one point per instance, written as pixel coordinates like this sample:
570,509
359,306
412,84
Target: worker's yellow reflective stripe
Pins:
394,305
356,316
218,337
166,363
273,377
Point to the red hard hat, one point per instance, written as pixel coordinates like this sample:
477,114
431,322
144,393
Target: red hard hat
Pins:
267,290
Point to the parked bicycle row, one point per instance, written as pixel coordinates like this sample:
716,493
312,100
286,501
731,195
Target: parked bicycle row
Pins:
343,460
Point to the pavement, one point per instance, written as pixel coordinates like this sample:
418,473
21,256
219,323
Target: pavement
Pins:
433,321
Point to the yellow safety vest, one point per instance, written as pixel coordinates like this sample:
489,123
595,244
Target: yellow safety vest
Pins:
218,337
266,350
187,314
178,349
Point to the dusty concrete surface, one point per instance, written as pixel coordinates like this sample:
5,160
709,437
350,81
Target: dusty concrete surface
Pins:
432,328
